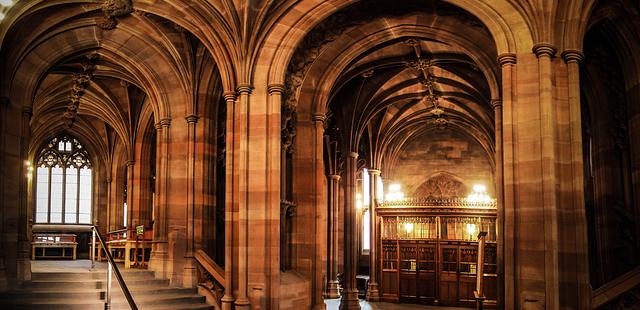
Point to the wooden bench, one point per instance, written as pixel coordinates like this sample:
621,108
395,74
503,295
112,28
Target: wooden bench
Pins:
127,246
53,241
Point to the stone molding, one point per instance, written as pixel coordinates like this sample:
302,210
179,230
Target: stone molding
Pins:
507,59
275,88
572,56
318,117
544,49
192,119
374,171
229,96
496,103
165,122
244,88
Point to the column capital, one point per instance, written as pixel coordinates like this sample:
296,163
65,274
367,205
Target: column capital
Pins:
507,59
373,171
353,154
496,103
544,49
318,117
192,119
130,163
572,55
244,88
275,88
165,122
335,177
108,180
158,126
229,96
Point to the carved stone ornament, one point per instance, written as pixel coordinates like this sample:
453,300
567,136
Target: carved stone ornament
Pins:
81,81
113,9
441,186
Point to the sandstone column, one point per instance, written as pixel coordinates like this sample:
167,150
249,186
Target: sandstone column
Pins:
350,294
334,194
373,293
499,183
545,52
320,259
4,106
190,268
230,180
506,212
577,215
131,214
241,134
24,245
158,261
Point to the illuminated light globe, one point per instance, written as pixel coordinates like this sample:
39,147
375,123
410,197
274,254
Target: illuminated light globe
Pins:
6,2
479,194
394,193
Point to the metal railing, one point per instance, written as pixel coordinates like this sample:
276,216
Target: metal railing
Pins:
111,269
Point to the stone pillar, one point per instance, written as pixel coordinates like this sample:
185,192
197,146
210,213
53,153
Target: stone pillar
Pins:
373,294
320,259
159,255
241,135
274,146
110,214
545,52
577,213
228,299
190,268
350,294
506,214
4,106
333,290
24,222
499,184
131,219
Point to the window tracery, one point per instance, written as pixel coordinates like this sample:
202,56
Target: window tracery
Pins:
63,183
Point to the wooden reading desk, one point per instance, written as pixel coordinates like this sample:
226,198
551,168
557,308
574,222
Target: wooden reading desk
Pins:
128,245
53,241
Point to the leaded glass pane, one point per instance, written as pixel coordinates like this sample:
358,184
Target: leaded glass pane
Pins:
56,194
85,195
42,195
71,193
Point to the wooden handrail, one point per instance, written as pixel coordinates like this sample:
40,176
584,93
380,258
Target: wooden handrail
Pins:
210,266
613,289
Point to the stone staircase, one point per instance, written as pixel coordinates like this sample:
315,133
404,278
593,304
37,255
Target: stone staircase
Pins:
87,289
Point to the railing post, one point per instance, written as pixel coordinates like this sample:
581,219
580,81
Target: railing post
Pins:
479,293
93,247
107,304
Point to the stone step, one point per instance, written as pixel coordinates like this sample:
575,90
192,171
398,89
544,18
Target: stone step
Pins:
82,276
175,300
93,284
99,293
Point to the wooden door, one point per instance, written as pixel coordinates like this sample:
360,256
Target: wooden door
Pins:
449,275
426,272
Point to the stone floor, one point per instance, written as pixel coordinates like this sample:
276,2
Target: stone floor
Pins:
80,265
83,265
334,304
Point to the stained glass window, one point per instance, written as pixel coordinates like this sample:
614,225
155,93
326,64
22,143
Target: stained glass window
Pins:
63,183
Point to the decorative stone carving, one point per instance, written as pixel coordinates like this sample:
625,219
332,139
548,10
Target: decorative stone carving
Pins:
113,9
441,186
81,81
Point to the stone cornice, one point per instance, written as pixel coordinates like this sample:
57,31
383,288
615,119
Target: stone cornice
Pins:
571,55
544,49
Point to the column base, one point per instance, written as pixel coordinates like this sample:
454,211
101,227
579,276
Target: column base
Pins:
373,294
226,303
190,273
243,304
350,300
333,290
158,260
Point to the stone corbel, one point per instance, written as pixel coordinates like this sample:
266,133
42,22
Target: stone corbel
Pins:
113,9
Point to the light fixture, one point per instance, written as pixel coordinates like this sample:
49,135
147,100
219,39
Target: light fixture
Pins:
1,16
408,227
479,194
394,193
6,2
358,201
471,230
